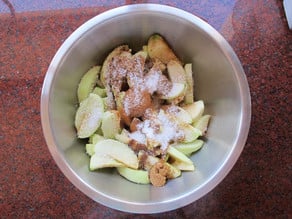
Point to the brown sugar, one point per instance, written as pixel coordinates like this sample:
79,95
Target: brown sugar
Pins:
136,102
158,173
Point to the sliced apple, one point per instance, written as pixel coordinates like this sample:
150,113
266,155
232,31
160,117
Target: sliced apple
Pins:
143,53
189,148
189,95
87,83
196,109
177,155
183,166
117,151
99,91
176,72
123,136
158,48
105,66
96,137
174,172
176,90
88,116
190,133
136,176
181,114
202,123
89,149
110,125
147,160
97,162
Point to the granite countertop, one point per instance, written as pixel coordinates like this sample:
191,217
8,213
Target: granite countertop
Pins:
31,184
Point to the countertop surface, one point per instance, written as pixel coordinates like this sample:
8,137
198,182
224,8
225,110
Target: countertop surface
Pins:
31,184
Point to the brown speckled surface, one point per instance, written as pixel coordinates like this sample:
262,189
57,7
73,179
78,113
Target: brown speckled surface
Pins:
32,186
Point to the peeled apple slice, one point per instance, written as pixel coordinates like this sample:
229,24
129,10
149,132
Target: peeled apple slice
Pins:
89,115
111,124
189,96
98,162
87,83
136,176
176,90
195,109
190,133
202,123
117,151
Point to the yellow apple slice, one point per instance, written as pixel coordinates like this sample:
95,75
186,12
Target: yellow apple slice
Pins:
183,166
174,172
181,114
189,148
196,109
176,72
177,89
177,155
136,176
88,116
143,53
97,162
189,95
93,139
123,136
89,149
105,66
110,125
87,83
190,133
159,49
202,123
99,91
118,151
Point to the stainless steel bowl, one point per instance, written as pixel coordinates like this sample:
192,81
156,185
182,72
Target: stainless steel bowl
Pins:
219,81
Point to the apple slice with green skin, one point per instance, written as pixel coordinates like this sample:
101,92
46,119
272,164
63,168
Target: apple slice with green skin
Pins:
159,48
181,161
89,115
89,149
189,148
97,162
202,123
117,151
177,155
196,109
190,133
87,83
93,139
189,95
177,89
136,176
110,125
99,91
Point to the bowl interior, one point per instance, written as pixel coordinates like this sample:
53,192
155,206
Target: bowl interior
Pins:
219,81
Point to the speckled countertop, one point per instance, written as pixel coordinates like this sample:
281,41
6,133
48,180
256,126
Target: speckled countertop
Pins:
32,186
